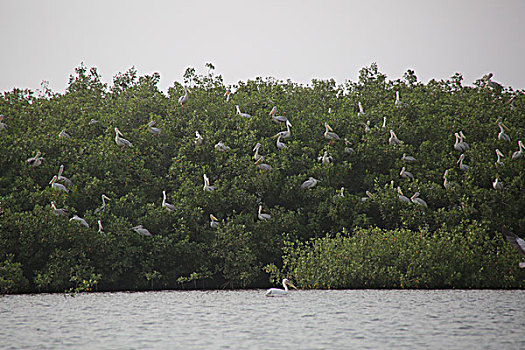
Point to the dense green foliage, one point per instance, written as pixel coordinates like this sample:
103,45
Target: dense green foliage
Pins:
455,242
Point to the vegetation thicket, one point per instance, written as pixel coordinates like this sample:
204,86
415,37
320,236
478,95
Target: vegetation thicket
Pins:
348,230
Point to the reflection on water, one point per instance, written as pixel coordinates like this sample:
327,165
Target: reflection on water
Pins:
360,319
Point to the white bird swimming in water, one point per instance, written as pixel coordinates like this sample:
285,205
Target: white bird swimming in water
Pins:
207,186
519,153
80,220
277,292
214,223
245,115
36,160
462,166
518,243
184,98
286,133
120,141
62,178
416,200
57,186
329,133
103,206
198,138
141,230
277,118
58,211
311,182
168,206
263,216
393,140
502,136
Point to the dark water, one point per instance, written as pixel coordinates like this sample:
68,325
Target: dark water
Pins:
358,319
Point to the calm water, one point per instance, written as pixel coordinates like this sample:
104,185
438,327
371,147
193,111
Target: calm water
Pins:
359,319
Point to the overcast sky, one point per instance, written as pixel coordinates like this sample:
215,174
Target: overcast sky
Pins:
300,40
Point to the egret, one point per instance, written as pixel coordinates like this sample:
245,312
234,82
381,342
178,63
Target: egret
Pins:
325,158
120,141
311,182
64,134
402,197
502,136
276,292
184,98
408,159
62,178
257,156
462,166
168,206
207,186
141,230
393,140
277,118
57,186
153,130
245,115
58,211
262,166
369,195
498,185
100,228
286,133
221,147
214,223
499,155
519,153
329,133
261,215
384,123
3,125
361,112
80,220
198,138
518,243
348,149
279,144
406,174
416,200
36,160
103,206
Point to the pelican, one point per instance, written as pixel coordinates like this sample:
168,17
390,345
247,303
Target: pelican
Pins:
398,102
458,145
100,228
416,200
153,130
341,192
311,182
406,174
490,83
198,138
384,123
92,121
3,125
518,243
245,115
519,153
221,147
367,126
402,197
393,140
262,166
64,134
261,215
286,133
228,94
103,206
325,158
279,144
361,112
36,160
58,211
447,184
80,220
497,184
120,141
276,292
348,149
502,136
207,186
56,185
62,178
369,195
329,133
183,99
168,206
462,166
141,230
257,156
500,155
463,142
214,223
408,159
277,118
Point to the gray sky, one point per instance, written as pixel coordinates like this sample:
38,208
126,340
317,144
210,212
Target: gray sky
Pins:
300,40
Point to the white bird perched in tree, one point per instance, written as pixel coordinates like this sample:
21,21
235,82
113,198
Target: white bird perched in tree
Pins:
286,133
519,153
57,186
168,206
79,220
311,182
221,147
502,136
500,155
256,155
448,184
184,98
277,118
463,140
341,192
214,223
120,141
348,149
369,195
100,228
325,158
103,206
393,140
416,200
406,174
408,159
153,130
62,178
64,134
36,160
58,211
462,166
3,126
207,186
384,123
245,115
261,215
228,94
262,166
277,292
498,185
459,145
329,133
517,242
141,230
402,197
280,145
398,102
367,126
361,112
198,138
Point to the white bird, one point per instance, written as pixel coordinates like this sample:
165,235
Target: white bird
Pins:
329,133
80,220
348,149
325,158
398,102
256,155
277,292
279,144
361,112
277,118
311,182
62,178
262,166
393,140
36,160
408,159
100,228
518,243
406,174
58,211
214,223
261,215
168,206
502,136
499,155
245,115
286,133
448,184
3,125
153,130
462,166
384,123
221,147
93,121
207,186
341,192
367,126
198,138
141,230
103,206
57,186
120,141
402,197
497,184
458,145
183,99
64,134
416,200
519,153
463,142
228,94
369,195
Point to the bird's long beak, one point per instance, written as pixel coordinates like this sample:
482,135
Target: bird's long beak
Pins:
503,125
291,285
